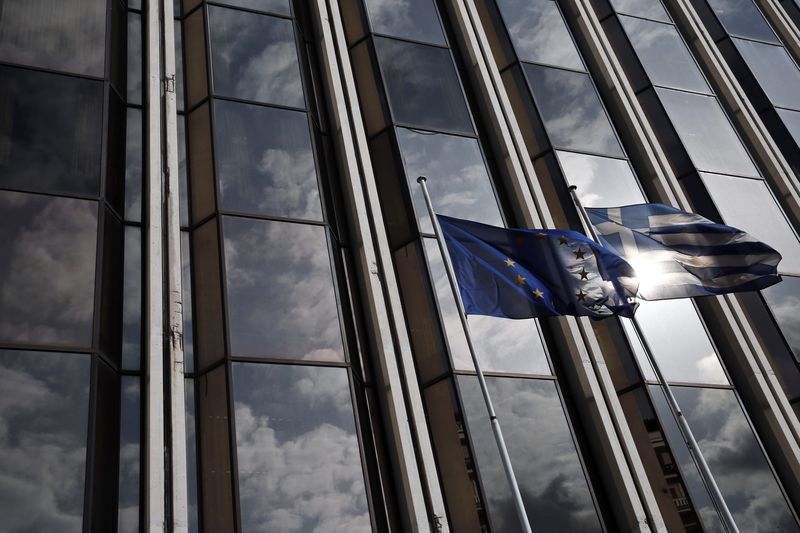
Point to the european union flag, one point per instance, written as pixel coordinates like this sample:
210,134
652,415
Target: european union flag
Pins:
524,273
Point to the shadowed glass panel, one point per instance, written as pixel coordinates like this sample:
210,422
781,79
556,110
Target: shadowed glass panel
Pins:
133,165
649,9
183,175
423,86
191,456
68,36
706,134
552,482
254,57
47,269
601,181
458,181
664,55
180,96
135,73
186,289
129,456
280,7
264,161
50,132
774,70
297,448
132,300
784,302
44,416
742,17
281,300
416,20
571,110
749,205
539,33
791,119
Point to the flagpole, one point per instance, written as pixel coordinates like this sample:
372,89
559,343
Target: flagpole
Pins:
686,432
498,434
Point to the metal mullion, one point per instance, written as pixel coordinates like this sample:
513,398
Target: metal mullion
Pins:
253,10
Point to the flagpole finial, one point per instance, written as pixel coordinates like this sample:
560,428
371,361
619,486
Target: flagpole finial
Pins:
572,188
421,179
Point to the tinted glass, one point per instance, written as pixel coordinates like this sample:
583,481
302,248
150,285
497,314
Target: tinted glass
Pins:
132,300
264,161
47,269
298,453
191,456
180,98
649,9
458,181
601,181
423,86
791,119
135,72
186,286
183,175
281,300
749,205
706,133
742,17
280,7
502,345
254,57
553,485
129,462
411,19
51,129
68,36
44,417
571,110
133,165
664,55
784,301
774,70
539,33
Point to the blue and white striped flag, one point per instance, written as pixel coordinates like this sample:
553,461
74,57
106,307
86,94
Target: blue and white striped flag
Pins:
681,255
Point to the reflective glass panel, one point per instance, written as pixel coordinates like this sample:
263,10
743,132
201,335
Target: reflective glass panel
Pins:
649,9
281,7
749,205
191,457
186,286
707,135
601,181
791,119
539,33
784,302
571,110
281,300
68,36
47,269
183,174
664,55
458,181
44,416
553,486
742,17
264,161
502,345
129,461
254,57
774,70
416,20
297,448
135,72
423,86
133,165
180,96
132,300
50,132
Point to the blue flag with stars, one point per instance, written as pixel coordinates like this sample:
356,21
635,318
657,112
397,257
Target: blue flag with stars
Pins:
524,273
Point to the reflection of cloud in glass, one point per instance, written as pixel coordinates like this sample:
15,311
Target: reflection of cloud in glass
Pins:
132,300
298,455
43,427
410,19
281,300
784,301
742,17
130,420
47,268
641,8
601,181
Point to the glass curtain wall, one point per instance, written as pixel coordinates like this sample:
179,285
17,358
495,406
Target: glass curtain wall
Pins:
573,142
63,95
418,119
283,436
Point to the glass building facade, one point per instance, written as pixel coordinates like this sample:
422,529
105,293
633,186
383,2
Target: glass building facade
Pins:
223,308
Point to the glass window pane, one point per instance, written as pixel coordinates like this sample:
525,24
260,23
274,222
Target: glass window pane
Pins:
180,97
129,460
68,36
553,485
280,7
297,448
706,133
774,70
254,57
648,9
749,205
502,345
47,269
132,300
135,72
664,55
601,181
265,164
784,301
186,288
43,442
571,110
742,17
416,20
423,86
791,119
50,132
539,33
281,300
182,171
191,457
133,165
458,181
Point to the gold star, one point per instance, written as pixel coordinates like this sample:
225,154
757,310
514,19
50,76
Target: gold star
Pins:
520,280
584,274
510,262
563,240
581,295
579,254
537,293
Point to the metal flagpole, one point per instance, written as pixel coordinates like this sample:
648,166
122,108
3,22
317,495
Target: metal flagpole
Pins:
705,472
498,434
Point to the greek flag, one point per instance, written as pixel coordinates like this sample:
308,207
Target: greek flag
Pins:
681,255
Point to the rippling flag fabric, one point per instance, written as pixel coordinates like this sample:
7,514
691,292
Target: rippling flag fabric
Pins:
524,273
680,255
